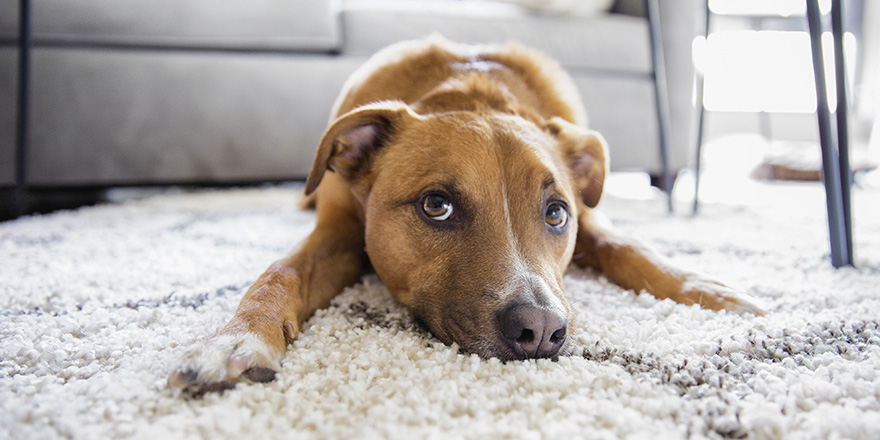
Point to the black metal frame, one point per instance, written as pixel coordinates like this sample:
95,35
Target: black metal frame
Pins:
19,193
835,152
661,95
836,171
842,110
701,110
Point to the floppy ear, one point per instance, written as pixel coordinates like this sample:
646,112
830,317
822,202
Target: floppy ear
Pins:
350,143
585,153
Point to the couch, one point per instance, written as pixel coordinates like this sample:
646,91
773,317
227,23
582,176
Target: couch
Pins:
154,92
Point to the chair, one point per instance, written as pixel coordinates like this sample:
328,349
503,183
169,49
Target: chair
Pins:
836,172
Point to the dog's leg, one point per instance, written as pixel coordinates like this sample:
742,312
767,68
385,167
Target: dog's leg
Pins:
633,265
273,310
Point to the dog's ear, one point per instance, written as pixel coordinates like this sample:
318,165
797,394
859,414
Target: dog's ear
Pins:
350,143
585,153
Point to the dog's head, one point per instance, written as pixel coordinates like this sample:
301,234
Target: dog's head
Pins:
470,218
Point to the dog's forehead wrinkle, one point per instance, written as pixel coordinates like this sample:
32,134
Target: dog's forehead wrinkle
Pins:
476,127
549,182
422,150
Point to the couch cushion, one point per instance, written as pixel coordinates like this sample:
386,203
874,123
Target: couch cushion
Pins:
9,19
282,25
110,117
610,41
580,8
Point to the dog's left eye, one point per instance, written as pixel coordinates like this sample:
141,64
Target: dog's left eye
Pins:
437,207
556,215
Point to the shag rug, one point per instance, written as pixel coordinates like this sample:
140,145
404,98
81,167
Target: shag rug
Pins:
97,305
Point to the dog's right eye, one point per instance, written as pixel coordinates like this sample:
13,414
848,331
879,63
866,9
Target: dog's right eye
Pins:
437,207
556,216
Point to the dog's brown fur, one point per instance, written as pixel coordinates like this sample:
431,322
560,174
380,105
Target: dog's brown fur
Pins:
498,132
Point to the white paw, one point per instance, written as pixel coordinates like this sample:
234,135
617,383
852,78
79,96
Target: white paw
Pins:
223,360
714,295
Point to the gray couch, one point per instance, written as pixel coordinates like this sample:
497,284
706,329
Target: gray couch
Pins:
198,91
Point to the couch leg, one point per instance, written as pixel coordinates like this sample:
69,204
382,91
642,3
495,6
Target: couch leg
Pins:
658,180
15,202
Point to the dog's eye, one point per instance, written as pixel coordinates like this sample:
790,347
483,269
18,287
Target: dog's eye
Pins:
556,215
437,207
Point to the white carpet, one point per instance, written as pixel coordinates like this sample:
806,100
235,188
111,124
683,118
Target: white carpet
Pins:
96,306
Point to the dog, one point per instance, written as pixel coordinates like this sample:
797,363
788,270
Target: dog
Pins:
466,178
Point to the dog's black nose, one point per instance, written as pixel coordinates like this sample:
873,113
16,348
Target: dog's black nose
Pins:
532,332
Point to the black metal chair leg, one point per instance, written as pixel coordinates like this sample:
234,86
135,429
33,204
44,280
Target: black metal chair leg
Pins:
830,164
842,111
20,193
699,78
662,98
698,146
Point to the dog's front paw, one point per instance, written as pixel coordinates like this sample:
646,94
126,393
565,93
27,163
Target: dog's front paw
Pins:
225,359
714,295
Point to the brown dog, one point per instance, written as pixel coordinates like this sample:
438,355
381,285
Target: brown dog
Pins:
465,177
